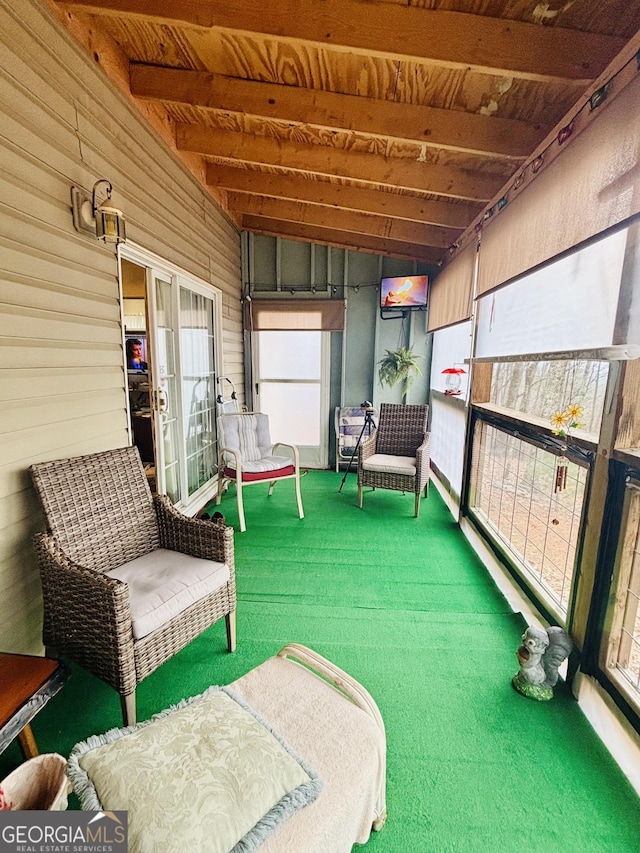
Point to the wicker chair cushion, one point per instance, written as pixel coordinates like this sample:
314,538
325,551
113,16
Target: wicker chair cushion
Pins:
164,583
386,464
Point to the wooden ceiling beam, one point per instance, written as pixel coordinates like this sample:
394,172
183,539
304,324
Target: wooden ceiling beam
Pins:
438,128
341,239
505,47
337,162
296,187
341,220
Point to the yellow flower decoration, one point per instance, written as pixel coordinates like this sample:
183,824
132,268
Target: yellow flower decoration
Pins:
563,422
574,412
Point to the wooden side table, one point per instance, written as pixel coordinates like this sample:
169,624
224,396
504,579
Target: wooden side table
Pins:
27,682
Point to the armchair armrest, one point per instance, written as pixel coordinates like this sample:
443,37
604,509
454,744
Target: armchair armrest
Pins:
356,693
294,451
86,615
368,447
423,460
425,447
237,464
193,536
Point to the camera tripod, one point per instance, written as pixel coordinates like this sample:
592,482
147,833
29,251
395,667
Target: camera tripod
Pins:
368,425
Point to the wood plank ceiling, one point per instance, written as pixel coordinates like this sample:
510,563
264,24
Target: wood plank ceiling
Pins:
384,126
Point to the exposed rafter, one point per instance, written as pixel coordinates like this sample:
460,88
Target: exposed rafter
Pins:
455,39
328,160
347,197
334,237
342,220
381,125
437,128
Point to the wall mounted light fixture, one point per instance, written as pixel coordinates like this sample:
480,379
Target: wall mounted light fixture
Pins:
101,220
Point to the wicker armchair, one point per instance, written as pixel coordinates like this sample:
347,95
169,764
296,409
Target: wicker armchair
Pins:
127,580
396,455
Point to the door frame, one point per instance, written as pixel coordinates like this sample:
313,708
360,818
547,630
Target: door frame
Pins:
156,265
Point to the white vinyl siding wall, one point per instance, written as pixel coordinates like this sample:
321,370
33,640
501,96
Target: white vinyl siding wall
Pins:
62,382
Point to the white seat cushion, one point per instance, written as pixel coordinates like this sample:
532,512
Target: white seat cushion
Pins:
386,464
164,583
268,463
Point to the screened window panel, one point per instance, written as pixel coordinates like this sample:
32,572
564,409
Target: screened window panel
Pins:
451,346
289,355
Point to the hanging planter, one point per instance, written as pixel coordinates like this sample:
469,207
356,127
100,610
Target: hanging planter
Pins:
399,365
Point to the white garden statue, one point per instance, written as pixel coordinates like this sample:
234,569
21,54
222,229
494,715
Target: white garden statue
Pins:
540,655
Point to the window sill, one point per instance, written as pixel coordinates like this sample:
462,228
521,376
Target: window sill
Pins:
585,439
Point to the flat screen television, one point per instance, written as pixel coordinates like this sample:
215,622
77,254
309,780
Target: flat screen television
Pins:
136,350
404,291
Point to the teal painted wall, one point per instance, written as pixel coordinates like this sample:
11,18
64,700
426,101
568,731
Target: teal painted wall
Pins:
288,268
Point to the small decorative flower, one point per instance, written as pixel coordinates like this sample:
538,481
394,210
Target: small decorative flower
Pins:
558,423
563,422
5,804
574,412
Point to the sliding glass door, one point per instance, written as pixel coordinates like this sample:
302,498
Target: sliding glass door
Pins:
183,335
165,388
196,323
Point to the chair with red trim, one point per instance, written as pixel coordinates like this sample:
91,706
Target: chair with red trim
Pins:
246,456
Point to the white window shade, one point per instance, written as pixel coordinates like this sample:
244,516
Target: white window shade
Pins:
448,430
565,309
451,347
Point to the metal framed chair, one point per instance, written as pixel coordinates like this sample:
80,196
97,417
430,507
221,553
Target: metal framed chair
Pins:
396,455
127,580
247,457
349,421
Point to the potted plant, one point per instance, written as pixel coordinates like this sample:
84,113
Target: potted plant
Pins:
399,365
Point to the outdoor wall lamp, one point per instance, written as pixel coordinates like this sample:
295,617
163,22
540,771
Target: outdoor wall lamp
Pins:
102,220
453,380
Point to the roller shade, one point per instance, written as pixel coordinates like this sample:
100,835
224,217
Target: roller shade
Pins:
317,315
450,299
568,306
589,187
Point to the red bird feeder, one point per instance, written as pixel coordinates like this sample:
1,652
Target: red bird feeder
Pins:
453,381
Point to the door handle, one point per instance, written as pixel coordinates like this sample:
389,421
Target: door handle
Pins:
160,402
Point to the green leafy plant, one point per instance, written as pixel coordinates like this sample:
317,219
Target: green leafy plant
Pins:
399,365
